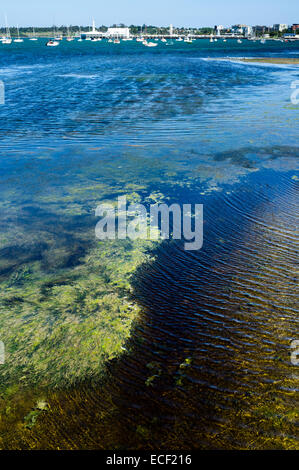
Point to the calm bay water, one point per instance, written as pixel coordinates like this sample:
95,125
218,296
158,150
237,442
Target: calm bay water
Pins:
207,364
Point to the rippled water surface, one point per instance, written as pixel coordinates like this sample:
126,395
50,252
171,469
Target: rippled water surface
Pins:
206,362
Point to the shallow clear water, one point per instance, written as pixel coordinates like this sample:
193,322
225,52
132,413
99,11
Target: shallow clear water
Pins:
87,122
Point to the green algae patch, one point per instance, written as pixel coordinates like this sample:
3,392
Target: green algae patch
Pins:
66,305
262,60
272,60
60,329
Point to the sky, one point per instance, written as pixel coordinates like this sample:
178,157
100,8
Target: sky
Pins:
156,12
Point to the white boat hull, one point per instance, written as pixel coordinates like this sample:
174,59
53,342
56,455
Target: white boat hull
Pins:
52,44
150,44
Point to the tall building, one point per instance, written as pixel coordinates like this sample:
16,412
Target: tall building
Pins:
260,30
238,28
218,29
248,31
171,30
280,27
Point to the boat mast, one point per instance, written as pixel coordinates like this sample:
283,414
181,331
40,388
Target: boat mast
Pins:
7,28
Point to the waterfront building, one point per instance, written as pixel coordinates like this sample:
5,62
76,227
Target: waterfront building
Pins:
260,30
118,32
238,28
114,32
280,27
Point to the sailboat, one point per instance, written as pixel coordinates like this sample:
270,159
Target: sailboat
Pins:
7,39
57,37
140,38
18,38
116,40
150,44
33,37
53,42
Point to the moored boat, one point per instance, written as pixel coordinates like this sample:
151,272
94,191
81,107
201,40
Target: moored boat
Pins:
18,39
33,38
150,44
6,39
52,43
69,37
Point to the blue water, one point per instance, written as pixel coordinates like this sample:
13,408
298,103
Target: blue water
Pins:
105,93
85,122
171,103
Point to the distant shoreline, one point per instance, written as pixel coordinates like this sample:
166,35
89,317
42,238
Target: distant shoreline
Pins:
271,60
260,60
